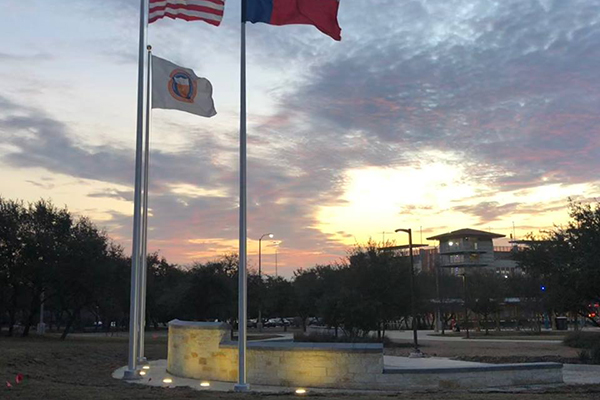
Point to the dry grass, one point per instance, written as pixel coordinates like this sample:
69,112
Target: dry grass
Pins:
80,369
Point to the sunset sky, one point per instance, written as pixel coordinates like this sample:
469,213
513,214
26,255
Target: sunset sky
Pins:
440,114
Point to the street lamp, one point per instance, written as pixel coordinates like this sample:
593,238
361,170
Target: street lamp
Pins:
276,243
464,280
259,324
417,352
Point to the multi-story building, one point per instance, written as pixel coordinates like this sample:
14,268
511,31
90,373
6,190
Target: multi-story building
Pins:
466,248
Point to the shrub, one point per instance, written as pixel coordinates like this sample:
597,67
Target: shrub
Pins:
584,356
326,337
595,354
582,340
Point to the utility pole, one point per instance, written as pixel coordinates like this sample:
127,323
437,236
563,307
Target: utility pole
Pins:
417,352
464,276
259,323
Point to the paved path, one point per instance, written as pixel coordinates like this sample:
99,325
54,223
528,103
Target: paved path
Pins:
429,335
573,374
395,362
578,374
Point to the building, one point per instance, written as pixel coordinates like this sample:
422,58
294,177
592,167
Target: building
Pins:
468,248
423,255
464,248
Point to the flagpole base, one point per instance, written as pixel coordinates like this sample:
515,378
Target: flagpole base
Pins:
241,387
130,375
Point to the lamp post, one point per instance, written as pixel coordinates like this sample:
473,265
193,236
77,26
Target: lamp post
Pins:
260,324
276,243
464,279
417,352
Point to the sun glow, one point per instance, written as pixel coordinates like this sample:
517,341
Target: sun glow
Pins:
439,197
379,198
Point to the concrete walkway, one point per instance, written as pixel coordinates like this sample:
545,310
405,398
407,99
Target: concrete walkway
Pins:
157,375
394,362
581,374
429,335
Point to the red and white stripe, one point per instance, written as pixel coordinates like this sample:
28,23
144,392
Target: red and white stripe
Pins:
210,11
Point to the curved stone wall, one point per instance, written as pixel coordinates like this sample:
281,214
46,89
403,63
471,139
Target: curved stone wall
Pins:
201,350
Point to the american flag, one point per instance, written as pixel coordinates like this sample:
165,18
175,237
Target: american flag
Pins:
210,11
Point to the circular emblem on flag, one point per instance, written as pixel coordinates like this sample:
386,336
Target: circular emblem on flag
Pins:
182,86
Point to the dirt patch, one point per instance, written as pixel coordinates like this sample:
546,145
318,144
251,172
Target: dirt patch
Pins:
494,352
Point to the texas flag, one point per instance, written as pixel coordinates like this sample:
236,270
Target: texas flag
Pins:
320,13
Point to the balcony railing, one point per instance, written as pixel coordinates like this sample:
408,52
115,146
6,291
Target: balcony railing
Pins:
460,248
463,263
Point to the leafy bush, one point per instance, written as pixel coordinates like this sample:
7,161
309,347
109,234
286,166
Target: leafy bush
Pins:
584,356
595,354
590,356
582,340
326,337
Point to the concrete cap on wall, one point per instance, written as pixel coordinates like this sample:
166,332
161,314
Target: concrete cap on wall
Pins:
199,325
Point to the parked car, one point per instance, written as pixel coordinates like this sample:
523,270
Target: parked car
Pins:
276,322
252,323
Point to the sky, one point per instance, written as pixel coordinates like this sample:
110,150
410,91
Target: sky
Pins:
434,115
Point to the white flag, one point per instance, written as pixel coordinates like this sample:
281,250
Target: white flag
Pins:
177,88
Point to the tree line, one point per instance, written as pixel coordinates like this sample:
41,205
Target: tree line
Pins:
49,256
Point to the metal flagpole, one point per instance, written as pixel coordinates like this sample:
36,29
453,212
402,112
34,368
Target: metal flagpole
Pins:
242,385
144,252
130,372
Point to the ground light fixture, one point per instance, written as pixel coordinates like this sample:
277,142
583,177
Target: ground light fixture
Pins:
300,391
146,367
167,380
205,384
142,373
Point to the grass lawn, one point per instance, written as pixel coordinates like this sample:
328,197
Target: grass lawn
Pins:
80,369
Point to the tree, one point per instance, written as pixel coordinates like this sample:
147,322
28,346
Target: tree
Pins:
76,280
566,262
212,291
47,244
377,289
361,295
277,298
166,287
12,215
305,293
486,293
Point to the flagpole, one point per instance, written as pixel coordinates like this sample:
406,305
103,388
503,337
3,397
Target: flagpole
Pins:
131,372
144,252
242,385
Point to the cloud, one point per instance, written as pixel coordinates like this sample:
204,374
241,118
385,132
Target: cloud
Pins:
284,192
512,85
509,90
29,58
490,211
